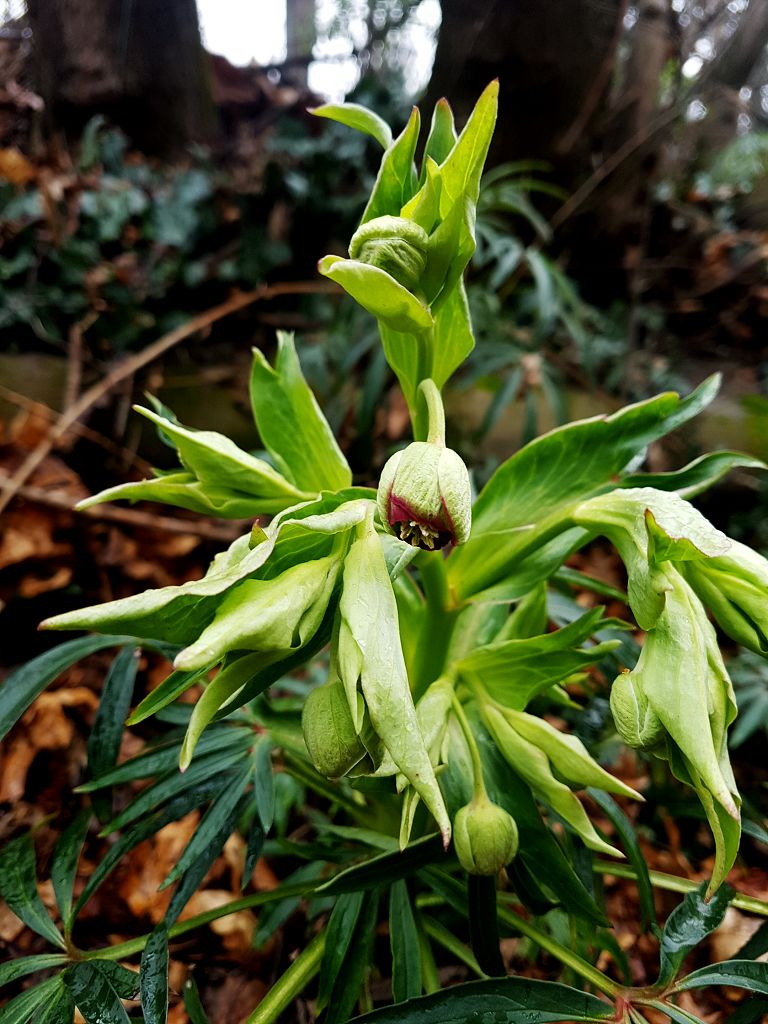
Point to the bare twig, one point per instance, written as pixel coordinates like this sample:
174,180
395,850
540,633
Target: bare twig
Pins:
131,365
75,357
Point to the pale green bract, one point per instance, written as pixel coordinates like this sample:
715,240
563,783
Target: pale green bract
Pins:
441,661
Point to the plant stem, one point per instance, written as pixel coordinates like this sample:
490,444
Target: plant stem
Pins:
437,625
674,883
289,985
580,966
257,899
429,391
478,783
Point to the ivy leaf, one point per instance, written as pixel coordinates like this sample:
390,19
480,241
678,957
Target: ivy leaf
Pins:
18,887
504,1000
688,924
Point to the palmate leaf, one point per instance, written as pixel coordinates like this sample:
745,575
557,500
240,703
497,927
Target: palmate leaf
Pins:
341,928
540,483
93,989
11,970
21,1008
404,942
64,865
503,1000
107,732
360,951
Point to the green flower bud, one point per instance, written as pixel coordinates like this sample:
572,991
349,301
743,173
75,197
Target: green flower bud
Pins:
636,721
329,732
424,496
484,837
393,244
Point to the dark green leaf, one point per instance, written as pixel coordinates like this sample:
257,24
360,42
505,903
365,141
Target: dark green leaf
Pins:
674,1013
26,683
192,1003
21,966
689,923
21,1007
756,945
165,694
276,914
214,766
264,784
749,1012
124,981
749,974
254,846
174,810
386,867
94,994
634,854
18,887
215,825
194,875
153,977
341,928
404,942
501,1000
162,758
107,731
66,854
347,983
59,1008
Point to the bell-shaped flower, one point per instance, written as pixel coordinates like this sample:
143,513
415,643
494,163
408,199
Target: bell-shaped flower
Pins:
424,496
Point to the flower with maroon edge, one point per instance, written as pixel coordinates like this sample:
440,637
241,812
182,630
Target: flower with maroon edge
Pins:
424,496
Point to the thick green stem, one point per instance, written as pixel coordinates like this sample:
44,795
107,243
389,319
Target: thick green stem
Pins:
437,624
478,783
674,883
430,393
289,985
566,956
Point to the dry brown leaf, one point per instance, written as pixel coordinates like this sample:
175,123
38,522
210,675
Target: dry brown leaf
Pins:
235,929
15,167
148,865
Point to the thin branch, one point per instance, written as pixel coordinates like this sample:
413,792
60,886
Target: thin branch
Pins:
131,365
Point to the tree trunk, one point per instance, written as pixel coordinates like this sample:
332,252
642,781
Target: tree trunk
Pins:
300,35
138,62
547,54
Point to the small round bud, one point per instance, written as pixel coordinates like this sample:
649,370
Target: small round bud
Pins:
636,722
329,731
393,244
484,837
425,497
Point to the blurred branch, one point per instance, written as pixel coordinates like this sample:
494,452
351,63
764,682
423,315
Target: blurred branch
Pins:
128,367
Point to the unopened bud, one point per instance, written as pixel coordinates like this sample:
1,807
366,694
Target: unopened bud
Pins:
484,837
393,244
329,732
636,722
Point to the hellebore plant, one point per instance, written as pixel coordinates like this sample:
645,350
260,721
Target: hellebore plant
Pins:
435,614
